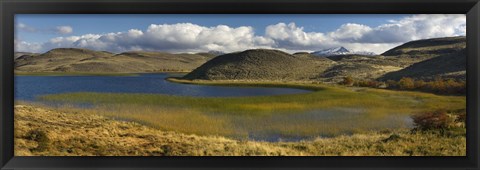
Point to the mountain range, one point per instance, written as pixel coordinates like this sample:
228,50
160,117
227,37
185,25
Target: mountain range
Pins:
421,59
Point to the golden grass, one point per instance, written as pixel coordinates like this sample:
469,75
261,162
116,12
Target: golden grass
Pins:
81,133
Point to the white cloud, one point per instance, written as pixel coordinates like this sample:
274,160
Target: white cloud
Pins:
25,27
349,32
64,30
289,35
188,37
417,27
364,38
27,47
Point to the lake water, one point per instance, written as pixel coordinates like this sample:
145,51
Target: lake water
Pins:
29,87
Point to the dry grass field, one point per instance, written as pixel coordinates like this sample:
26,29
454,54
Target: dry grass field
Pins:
53,132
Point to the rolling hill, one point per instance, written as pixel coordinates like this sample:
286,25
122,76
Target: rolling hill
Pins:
434,46
446,66
84,60
260,64
437,57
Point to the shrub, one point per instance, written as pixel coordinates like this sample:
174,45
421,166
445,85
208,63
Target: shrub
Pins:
392,84
420,84
41,138
406,83
347,81
439,85
432,120
462,116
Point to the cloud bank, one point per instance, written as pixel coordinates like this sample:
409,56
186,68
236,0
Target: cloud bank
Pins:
64,29
188,37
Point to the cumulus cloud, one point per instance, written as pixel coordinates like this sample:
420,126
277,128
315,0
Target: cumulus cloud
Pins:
25,27
188,37
289,35
64,29
417,27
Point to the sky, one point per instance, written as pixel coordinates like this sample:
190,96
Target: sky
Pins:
192,33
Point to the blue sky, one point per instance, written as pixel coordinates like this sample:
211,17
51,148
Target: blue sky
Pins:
39,33
97,24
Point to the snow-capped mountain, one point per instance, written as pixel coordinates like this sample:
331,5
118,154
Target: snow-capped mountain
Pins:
339,51
331,51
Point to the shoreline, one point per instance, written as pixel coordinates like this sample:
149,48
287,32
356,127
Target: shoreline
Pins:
254,83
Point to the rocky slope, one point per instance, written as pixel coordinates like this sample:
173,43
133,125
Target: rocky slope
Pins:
84,60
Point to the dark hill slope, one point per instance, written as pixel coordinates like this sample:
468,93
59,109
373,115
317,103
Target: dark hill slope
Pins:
421,50
451,65
260,64
435,46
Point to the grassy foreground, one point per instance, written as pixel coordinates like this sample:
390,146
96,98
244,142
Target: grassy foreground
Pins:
326,112
56,132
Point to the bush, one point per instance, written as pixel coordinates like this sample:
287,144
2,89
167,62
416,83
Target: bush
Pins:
432,120
392,84
41,138
420,84
462,116
438,86
347,81
406,83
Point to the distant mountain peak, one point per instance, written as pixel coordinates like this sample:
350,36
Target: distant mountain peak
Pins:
339,51
331,51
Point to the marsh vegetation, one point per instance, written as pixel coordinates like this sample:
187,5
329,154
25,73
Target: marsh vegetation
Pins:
325,112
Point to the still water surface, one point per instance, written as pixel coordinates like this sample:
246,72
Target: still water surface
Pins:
29,87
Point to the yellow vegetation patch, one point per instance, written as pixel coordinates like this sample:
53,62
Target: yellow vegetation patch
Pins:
272,106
